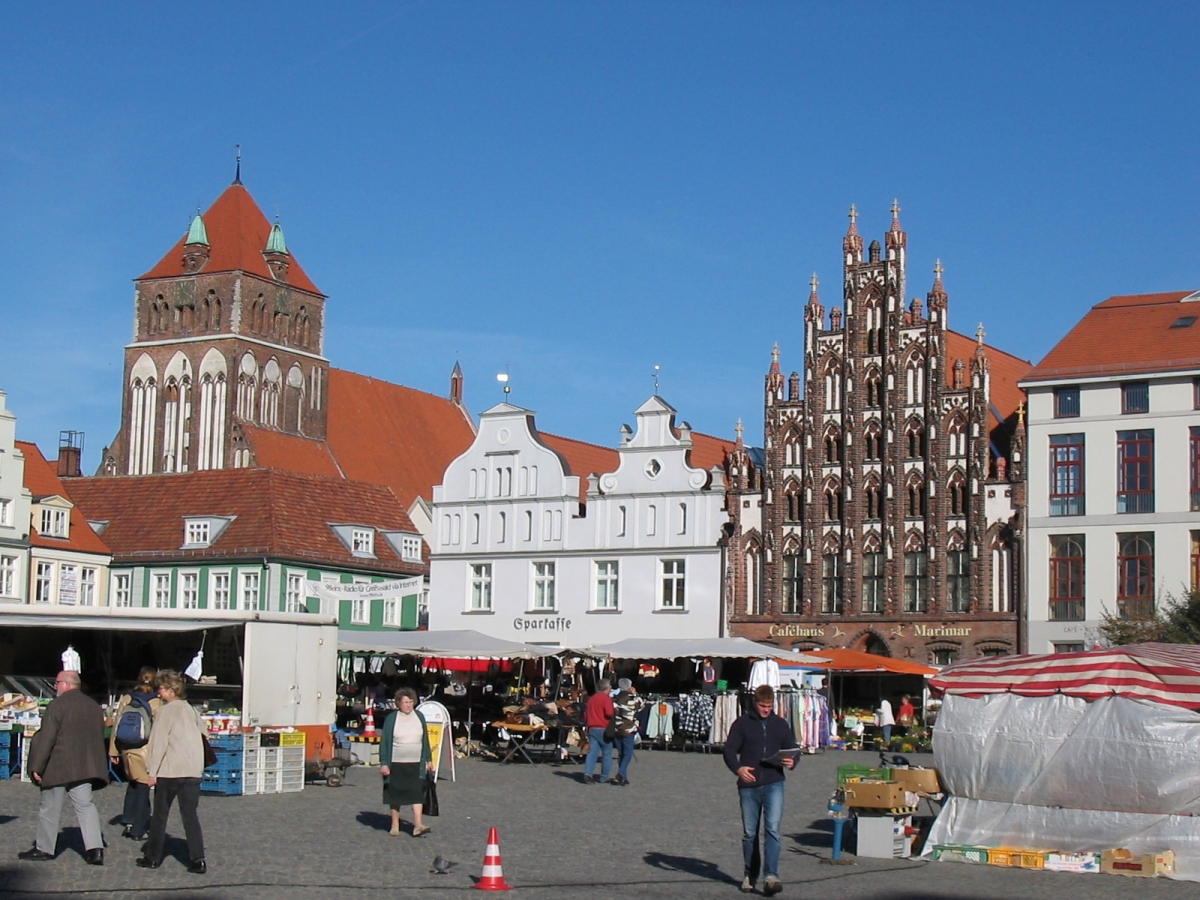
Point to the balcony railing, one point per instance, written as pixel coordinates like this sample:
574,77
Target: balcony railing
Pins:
1136,608
1140,502
1066,506
1066,611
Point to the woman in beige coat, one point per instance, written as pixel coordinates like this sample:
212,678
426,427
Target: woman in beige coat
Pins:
174,766
136,816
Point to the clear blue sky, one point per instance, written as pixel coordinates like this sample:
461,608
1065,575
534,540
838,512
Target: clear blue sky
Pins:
581,191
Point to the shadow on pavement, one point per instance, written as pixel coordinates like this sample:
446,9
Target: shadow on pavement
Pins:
574,776
690,865
377,820
4,820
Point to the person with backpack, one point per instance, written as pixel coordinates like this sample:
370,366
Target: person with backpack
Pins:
130,735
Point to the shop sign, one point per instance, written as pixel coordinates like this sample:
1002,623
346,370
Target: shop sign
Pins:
941,631
379,590
542,623
794,631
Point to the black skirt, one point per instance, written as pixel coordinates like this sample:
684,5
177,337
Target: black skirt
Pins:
405,786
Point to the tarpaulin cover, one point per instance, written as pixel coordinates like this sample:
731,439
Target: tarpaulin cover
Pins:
842,660
676,648
1062,773
464,644
1164,673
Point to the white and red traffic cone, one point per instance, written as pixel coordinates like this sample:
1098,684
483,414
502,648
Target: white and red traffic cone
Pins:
493,869
369,725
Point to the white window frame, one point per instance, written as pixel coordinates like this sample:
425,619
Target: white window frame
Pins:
160,590
479,591
672,572
249,589
64,568
542,597
198,533
47,522
43,586
410,547
607,593
391,611
5,511
294,599
189,597
10,570
220,590
122,589
87,585
362,541
360,611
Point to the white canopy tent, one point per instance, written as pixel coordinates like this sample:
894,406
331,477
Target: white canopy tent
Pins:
668,648
465,644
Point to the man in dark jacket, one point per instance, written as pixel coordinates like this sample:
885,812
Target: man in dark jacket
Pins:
753,740
67,759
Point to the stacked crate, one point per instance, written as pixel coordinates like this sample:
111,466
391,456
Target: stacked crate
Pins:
8,754
224,776
274,762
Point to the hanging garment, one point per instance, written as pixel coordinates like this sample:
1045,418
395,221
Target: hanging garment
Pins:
764,671
661,723
696,715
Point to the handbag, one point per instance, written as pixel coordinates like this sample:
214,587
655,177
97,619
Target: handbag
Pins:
430,806
610,730
210,755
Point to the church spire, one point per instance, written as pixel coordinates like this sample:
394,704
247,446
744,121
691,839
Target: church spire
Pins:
937,294
896,238
852,243
813,299
197,233
275,242
237,172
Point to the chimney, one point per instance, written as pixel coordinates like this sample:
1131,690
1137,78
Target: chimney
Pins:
70,454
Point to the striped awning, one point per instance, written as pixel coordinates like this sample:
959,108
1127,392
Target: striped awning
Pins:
1163,673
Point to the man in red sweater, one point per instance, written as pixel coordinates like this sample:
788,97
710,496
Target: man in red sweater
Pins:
599,713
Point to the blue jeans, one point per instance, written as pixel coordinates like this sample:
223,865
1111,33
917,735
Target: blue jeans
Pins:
765,801
625,745
887,736
596,745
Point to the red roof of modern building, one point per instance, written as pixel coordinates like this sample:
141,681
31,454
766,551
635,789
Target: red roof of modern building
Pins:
1006,371
275,514
237,235
1139,333
41,477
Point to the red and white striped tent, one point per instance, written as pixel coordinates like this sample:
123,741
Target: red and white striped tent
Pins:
1163,673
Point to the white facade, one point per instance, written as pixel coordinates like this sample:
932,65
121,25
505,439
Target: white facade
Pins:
14,512
1099,541
517,555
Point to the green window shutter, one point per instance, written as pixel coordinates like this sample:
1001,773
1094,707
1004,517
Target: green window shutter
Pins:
408,613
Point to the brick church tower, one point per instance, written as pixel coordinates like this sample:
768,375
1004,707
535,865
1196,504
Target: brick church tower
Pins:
228,337
888,517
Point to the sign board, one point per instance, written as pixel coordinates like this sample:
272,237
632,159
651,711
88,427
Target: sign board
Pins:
441,736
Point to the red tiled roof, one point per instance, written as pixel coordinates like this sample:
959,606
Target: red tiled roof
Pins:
42,480
709,451
237,235
583,459
275,450
1006,370
384,433
284,515
1127,335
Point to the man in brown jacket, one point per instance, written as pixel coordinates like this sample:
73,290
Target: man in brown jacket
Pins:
66,759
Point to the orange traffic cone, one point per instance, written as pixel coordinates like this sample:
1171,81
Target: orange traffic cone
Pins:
369,725
493,869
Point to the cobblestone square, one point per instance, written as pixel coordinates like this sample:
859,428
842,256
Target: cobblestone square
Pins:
674,832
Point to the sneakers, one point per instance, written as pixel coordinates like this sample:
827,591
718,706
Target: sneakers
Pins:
747,885
772,886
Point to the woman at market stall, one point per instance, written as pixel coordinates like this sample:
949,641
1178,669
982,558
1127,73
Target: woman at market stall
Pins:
404,758
175,765
127,744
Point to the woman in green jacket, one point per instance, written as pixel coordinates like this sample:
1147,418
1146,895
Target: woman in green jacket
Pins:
404,758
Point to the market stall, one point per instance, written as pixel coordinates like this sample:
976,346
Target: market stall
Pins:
1085,761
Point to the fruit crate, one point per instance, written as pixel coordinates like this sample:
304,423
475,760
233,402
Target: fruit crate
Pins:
966,853
292,739
1004,856
228,742
228,785
855,772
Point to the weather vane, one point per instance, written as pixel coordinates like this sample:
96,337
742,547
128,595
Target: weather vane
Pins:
656,381
503,379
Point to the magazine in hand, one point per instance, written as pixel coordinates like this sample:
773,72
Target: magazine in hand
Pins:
778,758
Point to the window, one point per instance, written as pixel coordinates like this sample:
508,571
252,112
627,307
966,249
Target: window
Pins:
1194,442
916,442
87,586
673,584
197,533
1066,475
1135,471
360,611
958,497
161,590
606,585
1195,568
1135,397
872,583
410,547
873,445
833,449
543,585
391,612
294,597
916,584
189,590
943,656
873,393
248,590
121,594
481,586
5,511
362,540
8,576
874,501
219,588
791,496
1135,575
916,499
1066,578
68,585
1066,403
831,584
1069,647
791,583
44,582
54,523
958,581
833,503
1196,393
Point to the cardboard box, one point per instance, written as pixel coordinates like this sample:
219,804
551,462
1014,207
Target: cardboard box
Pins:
1072,862
1123,862
919,781
876,795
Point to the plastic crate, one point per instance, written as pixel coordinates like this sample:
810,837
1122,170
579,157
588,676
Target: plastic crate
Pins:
1003,856
966,853
231,742
292,739
1031,859
291,756
855,772
227,788
5,739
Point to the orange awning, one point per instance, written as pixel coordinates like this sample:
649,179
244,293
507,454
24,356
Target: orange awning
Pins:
858,661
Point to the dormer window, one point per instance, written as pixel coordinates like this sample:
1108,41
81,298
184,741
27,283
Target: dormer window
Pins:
410,548
201,532
362,540
197,532
54,523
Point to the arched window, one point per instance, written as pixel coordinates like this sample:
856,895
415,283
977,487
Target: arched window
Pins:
792,576
754,604
272,383
914,375
874,497
143,409
177,414
791,494
791,448
914,439
213,391
833,448
958,494
873,442
833,502
957,437
916,498
874,394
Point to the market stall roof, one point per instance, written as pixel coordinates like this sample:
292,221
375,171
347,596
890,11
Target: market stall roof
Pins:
133,619
1163,673
841,660
465,644
669,648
